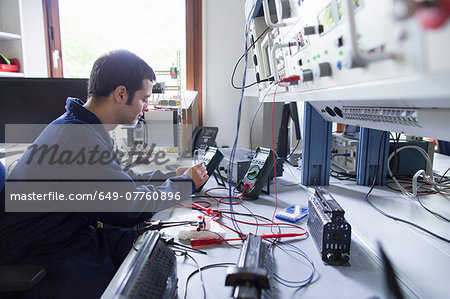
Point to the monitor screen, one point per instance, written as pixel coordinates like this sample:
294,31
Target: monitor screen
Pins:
36,100
289,112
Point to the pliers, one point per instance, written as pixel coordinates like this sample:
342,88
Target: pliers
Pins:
171,242
158,225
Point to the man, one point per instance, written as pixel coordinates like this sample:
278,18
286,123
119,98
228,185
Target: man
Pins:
73,154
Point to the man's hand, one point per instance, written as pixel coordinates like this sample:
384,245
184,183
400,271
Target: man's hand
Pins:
181,170
198,174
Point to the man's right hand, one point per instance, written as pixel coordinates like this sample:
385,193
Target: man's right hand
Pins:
198,174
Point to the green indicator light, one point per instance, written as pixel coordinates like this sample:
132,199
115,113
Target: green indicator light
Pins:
294,67
314,57
340,53
308,61
318,56
326,52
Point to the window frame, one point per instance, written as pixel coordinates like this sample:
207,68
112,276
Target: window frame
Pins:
52,37
193,45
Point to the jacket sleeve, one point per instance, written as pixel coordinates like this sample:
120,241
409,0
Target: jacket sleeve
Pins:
141,195
154,176
122,198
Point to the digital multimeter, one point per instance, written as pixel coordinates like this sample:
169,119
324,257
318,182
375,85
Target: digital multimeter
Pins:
258,173
211,159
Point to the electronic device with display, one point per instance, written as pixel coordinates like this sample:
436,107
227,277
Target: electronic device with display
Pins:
203,136
35,101
211,159
378,64
258,173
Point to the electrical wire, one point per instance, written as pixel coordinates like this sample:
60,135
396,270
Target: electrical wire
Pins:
428,160
293,176
233,151
407,222
224,240
256,112
254,216
239,60
223,197
199,269
236,213
269,222
427,191
262,218
388,215
440,181
251,214
290,283
206,267
427,178
274,158
397,157
342,176
431,211
295,148
134,244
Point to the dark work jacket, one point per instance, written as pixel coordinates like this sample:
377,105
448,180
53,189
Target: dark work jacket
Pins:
80,260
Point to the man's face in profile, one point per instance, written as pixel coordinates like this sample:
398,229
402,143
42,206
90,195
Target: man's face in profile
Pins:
133,111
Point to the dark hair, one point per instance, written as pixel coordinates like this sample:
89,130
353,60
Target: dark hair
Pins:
119,67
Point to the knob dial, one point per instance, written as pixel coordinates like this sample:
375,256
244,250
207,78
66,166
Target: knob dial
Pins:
253,172
322,70
306,75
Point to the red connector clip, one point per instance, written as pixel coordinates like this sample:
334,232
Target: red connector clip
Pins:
291,79
207,210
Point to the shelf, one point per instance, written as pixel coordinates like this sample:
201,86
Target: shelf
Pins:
9,36
11,74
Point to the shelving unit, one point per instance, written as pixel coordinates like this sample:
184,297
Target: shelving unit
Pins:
11,35
5,36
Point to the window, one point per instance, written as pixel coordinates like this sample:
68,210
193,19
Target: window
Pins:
154,30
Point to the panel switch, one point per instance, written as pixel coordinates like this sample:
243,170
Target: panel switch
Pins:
306,75
310,30
322,70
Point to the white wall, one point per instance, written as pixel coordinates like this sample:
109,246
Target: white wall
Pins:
35,55
223,44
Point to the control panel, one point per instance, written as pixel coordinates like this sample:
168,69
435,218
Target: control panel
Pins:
338,42
360,54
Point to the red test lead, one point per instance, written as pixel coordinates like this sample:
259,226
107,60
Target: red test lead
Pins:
210,242
208,211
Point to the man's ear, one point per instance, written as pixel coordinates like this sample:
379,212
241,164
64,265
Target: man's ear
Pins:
120,94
